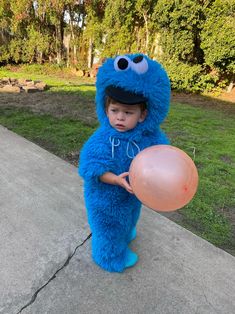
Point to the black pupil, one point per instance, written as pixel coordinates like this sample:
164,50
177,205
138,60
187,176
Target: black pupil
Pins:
122,64
138,59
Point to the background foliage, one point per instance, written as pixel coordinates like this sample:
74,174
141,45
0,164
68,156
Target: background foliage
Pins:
194,39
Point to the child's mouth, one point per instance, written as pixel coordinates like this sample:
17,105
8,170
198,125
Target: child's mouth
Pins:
120,126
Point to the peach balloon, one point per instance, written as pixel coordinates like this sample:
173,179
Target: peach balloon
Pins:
163,177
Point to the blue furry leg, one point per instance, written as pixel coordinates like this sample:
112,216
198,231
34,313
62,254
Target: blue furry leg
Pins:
131,258
135,216
110,238
133,235
109,254
110,245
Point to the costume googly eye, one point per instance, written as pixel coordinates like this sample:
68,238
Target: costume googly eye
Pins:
122,63
139,64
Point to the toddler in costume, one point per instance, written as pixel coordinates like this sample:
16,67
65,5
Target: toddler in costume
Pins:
132,100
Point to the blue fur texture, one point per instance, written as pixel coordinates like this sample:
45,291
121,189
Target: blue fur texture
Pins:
112,211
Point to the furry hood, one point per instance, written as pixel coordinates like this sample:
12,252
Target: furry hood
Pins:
138,74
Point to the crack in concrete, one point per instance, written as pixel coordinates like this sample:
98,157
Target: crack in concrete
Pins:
34,297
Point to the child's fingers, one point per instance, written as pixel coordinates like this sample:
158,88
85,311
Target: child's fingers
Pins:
125,183
124,174
128,187
130,191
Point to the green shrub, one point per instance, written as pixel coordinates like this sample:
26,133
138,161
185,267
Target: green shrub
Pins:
43,69
183,76
193,78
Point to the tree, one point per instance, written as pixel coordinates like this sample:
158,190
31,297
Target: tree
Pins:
118,27
55,10
179,23
76,15
194,39
144,10
16,16
5,21
218,37
92,30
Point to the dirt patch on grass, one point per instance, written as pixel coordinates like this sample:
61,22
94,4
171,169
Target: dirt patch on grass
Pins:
74,105
57,104
224,102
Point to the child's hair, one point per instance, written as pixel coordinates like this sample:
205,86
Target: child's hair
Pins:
109,100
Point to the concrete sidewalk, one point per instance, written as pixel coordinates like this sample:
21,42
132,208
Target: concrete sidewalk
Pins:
45,250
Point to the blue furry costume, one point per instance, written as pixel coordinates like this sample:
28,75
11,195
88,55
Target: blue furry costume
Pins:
112,211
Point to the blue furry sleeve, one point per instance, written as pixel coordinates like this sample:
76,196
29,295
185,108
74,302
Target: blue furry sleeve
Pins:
163,139
159,138
94,159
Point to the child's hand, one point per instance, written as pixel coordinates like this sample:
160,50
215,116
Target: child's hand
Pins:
111,178
121,180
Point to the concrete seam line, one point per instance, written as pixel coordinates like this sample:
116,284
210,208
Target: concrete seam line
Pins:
34,297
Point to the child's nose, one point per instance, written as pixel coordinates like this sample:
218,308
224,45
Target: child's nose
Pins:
121,116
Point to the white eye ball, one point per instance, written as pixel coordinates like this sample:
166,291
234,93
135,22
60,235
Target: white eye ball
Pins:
139,64
122,63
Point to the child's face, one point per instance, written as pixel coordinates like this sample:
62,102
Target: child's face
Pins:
124,117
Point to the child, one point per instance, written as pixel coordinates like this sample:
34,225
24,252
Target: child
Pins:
132,100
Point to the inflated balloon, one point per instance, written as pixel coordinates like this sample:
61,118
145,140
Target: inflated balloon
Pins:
163,177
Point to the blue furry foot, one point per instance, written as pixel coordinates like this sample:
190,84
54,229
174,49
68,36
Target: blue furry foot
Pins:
133,234
131,258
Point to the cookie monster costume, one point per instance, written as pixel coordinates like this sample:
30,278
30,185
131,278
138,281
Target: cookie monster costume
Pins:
112,211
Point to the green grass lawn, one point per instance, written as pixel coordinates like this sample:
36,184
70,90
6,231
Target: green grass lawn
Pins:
61,136
206,135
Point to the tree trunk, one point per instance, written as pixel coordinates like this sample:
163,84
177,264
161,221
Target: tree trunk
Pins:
75,60
60,38
67,40
90,53
146,32
73,37
230,87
